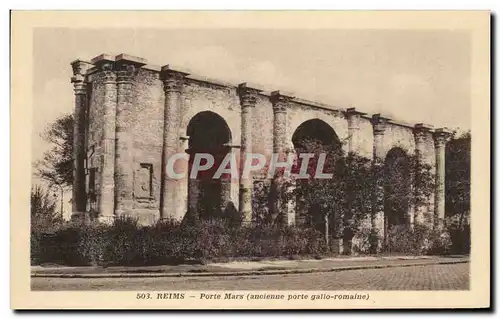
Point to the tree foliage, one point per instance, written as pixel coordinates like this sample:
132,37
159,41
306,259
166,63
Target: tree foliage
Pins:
408,183
44,216
321,200
458,154
345,204
56,167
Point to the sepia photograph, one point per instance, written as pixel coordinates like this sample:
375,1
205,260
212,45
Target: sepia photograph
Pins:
290,165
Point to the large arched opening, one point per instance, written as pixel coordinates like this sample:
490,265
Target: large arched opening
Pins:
397,191
315,130
314,207
208,133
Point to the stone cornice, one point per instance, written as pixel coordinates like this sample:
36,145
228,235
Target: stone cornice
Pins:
102,57
352,110
120,62
423,127
281,103
168,68
318,105
130,59
353,116
379,123
210,81
152,67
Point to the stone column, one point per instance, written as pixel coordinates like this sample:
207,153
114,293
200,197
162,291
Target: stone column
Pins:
107,185
172,85
280,104
422,133
247,101
124,161
79,152
379,125
441,136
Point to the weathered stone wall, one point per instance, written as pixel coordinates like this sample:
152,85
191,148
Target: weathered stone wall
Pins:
299,113
147,132
144,114
262,130
399,136
365,141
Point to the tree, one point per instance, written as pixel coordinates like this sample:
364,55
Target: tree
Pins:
343,206
409,183
457,185
359,186
56,167
44,215
321,202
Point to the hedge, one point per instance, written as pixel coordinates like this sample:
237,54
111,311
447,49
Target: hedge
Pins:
126,243
168,242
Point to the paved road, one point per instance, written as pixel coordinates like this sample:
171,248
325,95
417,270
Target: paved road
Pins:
430,277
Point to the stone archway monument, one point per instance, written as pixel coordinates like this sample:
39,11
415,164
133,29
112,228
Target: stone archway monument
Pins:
131,117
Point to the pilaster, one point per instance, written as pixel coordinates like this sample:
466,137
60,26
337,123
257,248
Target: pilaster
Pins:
106,65
80,69
126,67
248,98
441,137
423,134
353,118
280,103
173,82
379,124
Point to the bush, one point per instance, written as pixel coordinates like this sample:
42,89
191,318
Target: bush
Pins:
36,248
170,242
123,242
158,243
459,235
362,241
439,243
92,244
417,240
402,239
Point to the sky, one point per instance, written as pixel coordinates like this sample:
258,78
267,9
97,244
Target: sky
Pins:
416,76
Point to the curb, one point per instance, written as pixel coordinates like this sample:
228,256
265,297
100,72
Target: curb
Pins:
241,273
